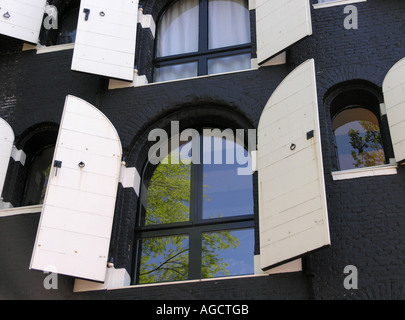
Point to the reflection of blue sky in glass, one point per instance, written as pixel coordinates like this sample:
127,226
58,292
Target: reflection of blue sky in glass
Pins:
238,260
226,193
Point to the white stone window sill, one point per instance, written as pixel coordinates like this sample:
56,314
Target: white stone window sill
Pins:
20,210
119,278
382,170
140,80
44,49
335,3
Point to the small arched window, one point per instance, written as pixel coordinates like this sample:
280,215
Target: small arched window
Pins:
360,127
28,175
358,138
200,37
67,30
196,218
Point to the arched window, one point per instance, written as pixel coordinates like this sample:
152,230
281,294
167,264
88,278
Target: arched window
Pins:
358,138
67,30
360,126
196,217
200,37
27,180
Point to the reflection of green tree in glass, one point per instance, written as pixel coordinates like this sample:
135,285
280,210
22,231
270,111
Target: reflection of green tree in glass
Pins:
212,265
167,258
164,259
367,146
169,194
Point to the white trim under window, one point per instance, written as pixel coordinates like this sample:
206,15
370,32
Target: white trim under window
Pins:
382,170
7,212
333,3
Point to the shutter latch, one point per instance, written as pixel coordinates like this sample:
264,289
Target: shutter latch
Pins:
87,12
57,164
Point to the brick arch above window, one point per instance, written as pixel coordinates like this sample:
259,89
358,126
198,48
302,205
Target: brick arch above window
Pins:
353,92
209,114
154,7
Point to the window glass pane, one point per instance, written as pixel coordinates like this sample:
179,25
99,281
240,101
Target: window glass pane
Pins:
164,259
226,192
228,64
166,197
358,139
178,29
178,71
227,253
38,177
67,32
228,23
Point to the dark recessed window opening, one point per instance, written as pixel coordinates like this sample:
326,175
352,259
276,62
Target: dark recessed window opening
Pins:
68,28
38,176
200,37
196,219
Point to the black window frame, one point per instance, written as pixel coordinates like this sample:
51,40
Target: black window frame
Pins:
193,228
204,53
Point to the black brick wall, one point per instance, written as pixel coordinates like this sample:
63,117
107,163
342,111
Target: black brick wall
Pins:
366,216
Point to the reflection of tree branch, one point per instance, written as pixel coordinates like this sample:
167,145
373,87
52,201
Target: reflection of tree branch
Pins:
175,270
163,263
165,186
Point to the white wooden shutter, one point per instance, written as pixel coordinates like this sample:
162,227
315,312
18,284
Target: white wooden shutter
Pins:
394,98
280,24
22,19
292,202
105,42
6,146
75,226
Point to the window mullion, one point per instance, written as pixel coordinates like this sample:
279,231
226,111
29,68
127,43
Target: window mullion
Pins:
203,37
195,254
198,184
203,26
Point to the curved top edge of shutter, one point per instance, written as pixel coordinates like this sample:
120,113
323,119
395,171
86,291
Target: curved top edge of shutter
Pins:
6,130
293,73
388,77
98,113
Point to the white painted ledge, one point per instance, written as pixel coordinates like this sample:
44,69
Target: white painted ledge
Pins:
382,170
44,49
335,3
7,212
115,278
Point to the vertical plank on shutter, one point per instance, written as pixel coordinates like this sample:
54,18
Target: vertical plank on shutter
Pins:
76,220
6,146
280,24
105,42
394,98
22,19
292,201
